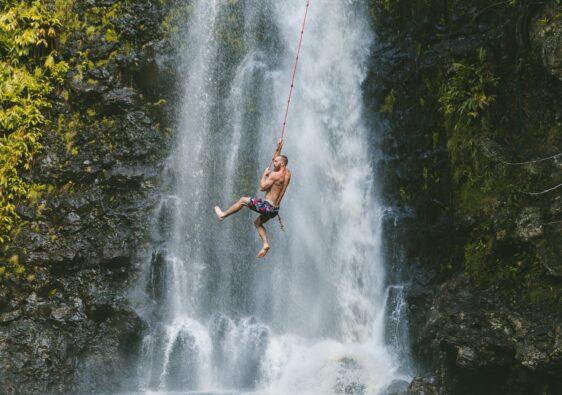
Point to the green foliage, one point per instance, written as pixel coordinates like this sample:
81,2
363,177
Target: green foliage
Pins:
175,18
12,266
30,69
388,104
386,4
476,257
468,92
97,22
464,98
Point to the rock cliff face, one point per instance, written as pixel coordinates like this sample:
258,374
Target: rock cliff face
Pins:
465,92
65,325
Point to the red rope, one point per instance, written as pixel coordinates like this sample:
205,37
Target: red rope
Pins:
294,71
291,88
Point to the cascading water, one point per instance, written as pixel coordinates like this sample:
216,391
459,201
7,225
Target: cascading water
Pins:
310,317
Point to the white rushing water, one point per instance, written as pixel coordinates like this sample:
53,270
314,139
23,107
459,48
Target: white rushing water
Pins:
311,317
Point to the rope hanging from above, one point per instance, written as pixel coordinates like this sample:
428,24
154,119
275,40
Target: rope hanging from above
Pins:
284,126
294,71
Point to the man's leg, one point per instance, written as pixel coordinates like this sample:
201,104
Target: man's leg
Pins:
243,201
263,235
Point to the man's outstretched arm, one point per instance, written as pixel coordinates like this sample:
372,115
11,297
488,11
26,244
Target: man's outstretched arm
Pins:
279,147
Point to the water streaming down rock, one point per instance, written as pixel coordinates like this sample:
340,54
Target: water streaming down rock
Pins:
310,318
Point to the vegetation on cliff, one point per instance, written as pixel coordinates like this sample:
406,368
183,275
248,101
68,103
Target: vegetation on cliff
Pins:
100,133
30,70
56,60
469,94
490,113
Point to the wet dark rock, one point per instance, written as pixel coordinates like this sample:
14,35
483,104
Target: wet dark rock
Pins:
127,176
84,91
478,343
466,357
72,218
157,282
553,264
423,386
397,387
529,223
65,324
10,316
119,99
546,37
469,338
41,349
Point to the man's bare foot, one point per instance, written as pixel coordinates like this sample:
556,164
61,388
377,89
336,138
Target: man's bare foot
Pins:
263,251
219,213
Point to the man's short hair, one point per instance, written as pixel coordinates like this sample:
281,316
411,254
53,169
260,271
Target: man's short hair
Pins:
285,159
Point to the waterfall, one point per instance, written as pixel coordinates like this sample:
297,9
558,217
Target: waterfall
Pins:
310,318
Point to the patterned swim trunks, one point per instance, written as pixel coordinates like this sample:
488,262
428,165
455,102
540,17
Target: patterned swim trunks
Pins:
263,207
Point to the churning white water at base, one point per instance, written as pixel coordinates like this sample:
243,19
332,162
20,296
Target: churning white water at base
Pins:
310,318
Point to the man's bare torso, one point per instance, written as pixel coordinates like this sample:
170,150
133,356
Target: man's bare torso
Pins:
276,192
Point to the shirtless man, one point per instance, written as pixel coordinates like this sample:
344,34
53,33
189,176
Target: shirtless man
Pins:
274,184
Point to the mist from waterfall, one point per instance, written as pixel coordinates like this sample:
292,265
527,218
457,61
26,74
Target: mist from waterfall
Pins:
312,317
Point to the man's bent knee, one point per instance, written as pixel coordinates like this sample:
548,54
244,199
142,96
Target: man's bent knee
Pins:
244,200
